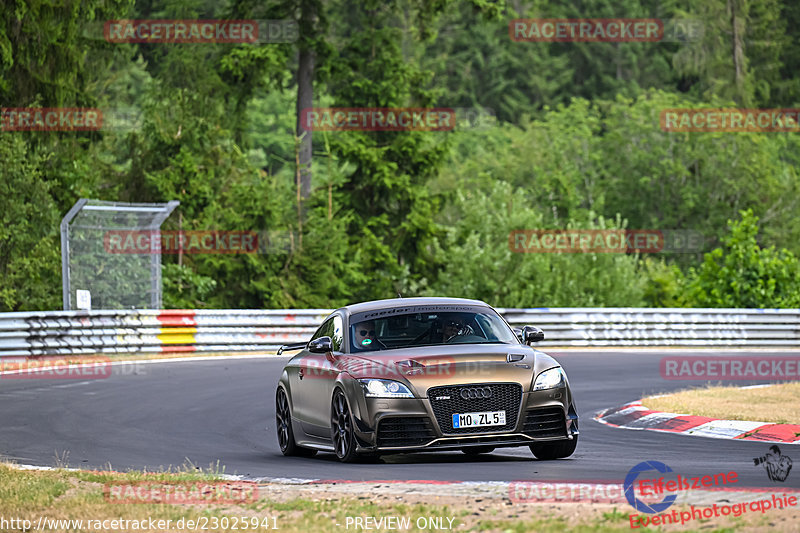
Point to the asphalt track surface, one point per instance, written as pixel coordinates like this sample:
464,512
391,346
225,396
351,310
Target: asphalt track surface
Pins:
210,412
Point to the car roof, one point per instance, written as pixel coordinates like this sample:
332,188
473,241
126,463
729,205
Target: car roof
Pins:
404,302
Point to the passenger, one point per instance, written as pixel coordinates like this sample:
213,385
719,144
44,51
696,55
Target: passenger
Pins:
364,336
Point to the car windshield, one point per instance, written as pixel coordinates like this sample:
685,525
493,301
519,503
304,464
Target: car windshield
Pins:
429,329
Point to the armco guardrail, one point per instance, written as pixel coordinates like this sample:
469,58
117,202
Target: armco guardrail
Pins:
153,331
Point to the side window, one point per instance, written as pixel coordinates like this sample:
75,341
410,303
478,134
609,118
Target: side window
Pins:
337,337
326,329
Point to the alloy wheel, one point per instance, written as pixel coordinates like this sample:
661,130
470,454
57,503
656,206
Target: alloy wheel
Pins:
342,428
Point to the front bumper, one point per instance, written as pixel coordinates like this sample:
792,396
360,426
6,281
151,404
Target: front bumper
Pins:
410,424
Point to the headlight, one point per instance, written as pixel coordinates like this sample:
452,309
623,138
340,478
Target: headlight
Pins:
385,388
550,379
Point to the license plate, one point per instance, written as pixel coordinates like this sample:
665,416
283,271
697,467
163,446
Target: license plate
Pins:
473,420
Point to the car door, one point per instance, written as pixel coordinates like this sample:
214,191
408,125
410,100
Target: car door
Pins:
330,365
315,378
301,372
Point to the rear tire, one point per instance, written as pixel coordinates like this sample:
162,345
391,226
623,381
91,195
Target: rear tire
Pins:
283,419
477,450
547,451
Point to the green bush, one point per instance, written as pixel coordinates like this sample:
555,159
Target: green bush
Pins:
742,274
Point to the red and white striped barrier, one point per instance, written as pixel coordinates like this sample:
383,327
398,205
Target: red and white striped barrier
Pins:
635,416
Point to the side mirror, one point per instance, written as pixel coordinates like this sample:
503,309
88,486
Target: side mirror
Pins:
320,345
518,333
532,334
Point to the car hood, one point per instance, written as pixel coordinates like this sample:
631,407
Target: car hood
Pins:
431,366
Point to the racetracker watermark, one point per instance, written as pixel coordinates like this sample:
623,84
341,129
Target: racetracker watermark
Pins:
187,242
70,119
565,491
604,241
730,120
50,119
610,30
606,30
169,31
181,492
389,368
377,119
731,368
55,367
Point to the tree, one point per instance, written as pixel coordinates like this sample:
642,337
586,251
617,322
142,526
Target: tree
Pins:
742,274
739,56
29,245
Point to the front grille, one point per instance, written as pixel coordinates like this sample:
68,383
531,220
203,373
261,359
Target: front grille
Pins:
546,422
505,397
405,431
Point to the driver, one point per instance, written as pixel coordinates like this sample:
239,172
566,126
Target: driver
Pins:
452,327
444,328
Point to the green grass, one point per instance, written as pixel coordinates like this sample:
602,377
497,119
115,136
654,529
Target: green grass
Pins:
62,494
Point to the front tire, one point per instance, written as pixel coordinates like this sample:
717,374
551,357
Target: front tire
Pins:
547,451
344,442
283,419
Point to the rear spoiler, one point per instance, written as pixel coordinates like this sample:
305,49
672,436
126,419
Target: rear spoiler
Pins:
293,346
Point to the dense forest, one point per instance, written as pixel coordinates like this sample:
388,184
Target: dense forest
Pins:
549,135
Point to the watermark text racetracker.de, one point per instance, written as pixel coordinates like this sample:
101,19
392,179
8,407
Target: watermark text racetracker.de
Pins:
586,30
609,30
565,491
21,119
389,368
730,368
187,242
730,120
604,241
66,367
203,523
181,492
197,241
172,31
50,119
377,119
